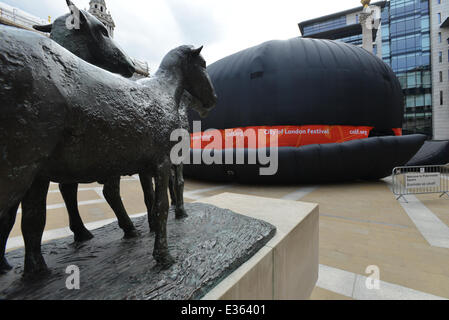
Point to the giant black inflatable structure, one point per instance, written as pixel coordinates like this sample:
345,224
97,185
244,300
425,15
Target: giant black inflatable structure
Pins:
432,153
337,110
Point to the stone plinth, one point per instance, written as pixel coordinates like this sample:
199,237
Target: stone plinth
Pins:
208,246
286,268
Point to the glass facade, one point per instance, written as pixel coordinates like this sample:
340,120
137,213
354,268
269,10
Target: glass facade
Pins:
325,25
355,40
409,57
406,48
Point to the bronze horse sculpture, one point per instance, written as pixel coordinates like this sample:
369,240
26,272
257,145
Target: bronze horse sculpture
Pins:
91,42
88,39
115,127
84,42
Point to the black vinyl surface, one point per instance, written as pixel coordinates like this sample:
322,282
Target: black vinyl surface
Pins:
365,159
310,82
431,153
304,82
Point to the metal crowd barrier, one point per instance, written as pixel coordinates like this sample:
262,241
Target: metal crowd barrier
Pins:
420,180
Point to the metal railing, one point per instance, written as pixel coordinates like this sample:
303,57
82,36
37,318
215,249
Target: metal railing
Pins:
420,180
14,17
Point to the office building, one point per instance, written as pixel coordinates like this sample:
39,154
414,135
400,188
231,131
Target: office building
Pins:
413,39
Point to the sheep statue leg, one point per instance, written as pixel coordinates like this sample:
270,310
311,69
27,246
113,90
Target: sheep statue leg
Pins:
178,191
111,192
161,252
33,224
171,186
146,181
69,193
176,188
6,225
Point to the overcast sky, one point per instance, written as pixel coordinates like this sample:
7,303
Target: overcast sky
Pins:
148,29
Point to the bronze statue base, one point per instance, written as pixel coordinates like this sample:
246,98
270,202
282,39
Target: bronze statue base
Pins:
208,245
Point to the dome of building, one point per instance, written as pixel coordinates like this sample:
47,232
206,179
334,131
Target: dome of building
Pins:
97,1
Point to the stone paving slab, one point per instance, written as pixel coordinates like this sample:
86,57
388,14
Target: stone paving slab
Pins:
361,223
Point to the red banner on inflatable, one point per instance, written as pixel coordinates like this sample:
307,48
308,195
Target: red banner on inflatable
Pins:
397,131
284,136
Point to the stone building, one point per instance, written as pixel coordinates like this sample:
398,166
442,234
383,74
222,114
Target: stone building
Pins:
439,37
404,42
98,9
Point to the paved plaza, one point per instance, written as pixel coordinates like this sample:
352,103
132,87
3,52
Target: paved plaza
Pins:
361,225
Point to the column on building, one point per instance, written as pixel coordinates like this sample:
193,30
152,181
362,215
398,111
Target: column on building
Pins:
409,56
439,26
370,21
403,42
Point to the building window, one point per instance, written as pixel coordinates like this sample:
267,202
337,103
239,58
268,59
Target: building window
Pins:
439,17
440,57
425,23
439,1
439,37
425,42
325,25
441,98
441,76
428,99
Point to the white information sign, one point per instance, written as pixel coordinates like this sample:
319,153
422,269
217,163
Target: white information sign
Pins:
422,180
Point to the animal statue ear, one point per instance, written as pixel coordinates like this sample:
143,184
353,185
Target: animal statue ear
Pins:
196,52
83,17
74,10
43,28
70,4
